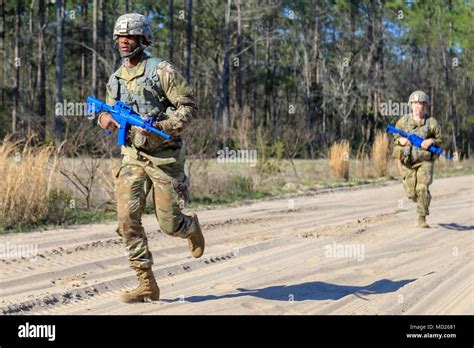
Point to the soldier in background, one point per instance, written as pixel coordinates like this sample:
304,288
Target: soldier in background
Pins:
416,165
150,163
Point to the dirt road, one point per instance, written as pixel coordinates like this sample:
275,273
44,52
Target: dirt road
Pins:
355,251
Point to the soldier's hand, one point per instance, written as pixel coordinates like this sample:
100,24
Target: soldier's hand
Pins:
143,131
427,143
107,122
404,141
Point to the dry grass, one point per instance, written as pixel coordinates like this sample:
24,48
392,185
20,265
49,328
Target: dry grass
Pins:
443,164
362,165
380,154
107,182
29,177
339,159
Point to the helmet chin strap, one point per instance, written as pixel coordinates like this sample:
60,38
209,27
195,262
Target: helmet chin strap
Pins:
141,47
134,53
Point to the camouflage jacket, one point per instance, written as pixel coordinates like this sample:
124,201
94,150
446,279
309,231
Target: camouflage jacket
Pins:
179,97
428,128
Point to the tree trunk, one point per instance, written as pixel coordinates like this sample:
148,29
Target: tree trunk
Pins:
101,49
316,87
370,58
17,63
83,49
30,93
379,63
239,78
224,95
267,81
374,67
171,29
2,51
269,76
41,71
94,47
198,84
58,121
307,87
252,92
451,114
189,39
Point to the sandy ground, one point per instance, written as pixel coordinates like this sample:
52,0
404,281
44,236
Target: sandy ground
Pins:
352,251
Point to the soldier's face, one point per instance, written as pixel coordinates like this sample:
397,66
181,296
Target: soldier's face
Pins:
127,43
418,108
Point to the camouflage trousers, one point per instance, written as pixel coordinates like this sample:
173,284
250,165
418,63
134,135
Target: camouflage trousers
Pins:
135,179
416,181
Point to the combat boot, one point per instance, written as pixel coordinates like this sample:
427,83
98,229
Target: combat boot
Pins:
196,239
146,291
422,222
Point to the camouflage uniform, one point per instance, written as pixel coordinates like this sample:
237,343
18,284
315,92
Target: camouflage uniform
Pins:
151,163
153,87
416,165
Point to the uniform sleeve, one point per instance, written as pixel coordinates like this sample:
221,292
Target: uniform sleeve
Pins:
108,97
436,133
398,125
108,100
180,94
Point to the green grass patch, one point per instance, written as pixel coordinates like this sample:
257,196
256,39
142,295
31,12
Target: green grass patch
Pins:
453,171
70,217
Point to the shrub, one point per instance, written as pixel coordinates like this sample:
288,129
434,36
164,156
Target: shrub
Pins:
339,159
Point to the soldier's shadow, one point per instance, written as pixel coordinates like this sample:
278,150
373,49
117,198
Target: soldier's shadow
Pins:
457,227
307,291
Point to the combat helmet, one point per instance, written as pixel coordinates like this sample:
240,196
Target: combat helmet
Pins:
419,96
133,24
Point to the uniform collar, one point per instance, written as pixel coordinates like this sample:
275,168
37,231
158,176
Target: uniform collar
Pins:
123,73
